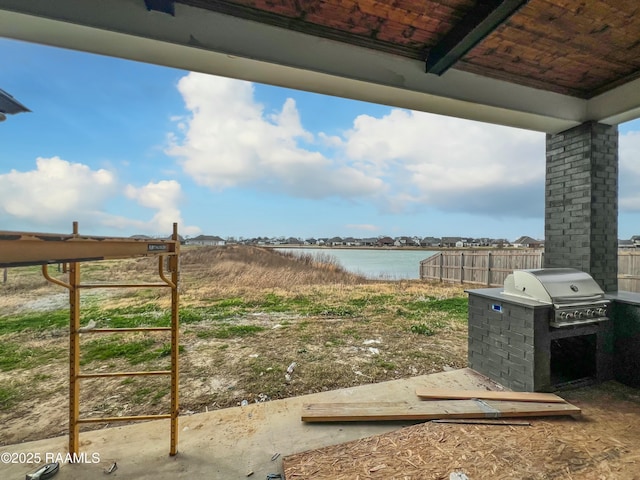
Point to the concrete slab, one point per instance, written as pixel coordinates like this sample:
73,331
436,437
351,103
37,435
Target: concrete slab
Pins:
225,444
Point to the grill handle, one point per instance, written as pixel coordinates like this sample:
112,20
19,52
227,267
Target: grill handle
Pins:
567,301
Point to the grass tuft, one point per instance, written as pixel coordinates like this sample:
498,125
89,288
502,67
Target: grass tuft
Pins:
118,346
423,329
14,356
9,396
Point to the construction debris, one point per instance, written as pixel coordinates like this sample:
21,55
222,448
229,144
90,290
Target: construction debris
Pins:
44,472
444,409
482,421
451,394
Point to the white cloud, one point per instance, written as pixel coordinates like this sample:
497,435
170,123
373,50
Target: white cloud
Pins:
450,163
402,161
333,141
629,172
231,141
59,192
56,191
164,197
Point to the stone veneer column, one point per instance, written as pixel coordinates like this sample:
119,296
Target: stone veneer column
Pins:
581,202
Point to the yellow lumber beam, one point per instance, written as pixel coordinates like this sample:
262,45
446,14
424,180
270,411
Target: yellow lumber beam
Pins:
131,418
21,248
387,411
451,394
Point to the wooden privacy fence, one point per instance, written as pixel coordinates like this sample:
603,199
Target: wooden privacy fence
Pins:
483,267
490,267
629,271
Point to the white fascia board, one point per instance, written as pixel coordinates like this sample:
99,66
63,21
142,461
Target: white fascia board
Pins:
618,105
209,42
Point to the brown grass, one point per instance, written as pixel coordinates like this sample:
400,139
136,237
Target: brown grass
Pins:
359,332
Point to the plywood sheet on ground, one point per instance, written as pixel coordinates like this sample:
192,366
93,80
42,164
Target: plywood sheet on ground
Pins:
450,394
385,411
604,444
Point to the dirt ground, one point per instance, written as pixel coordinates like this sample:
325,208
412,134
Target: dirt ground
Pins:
331,350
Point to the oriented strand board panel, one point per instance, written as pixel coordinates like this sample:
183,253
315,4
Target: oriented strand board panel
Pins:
449,394
385,411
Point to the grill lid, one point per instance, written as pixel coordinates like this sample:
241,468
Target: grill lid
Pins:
553,285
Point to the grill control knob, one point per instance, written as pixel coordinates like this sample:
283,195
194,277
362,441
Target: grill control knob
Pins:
577,314
591,312
601,312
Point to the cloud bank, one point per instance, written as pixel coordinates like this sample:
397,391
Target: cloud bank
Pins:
229,140
400,162
58,192
629,145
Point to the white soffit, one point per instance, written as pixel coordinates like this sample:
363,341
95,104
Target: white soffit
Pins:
209,42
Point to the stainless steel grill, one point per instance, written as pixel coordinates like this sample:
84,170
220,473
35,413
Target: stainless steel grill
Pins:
575,296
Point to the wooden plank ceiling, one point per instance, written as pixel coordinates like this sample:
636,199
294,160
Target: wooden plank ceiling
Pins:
579,48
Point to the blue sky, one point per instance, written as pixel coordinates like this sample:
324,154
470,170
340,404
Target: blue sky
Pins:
126,148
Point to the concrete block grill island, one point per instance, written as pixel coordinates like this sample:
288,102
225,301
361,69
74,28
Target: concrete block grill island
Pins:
545,330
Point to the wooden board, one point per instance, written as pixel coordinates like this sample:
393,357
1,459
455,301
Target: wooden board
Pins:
601,448
385,411
427,393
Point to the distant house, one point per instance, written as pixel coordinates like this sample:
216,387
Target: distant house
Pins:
452,241
293,241
206,240
385,242
430,242
369,242
626,244
500,243
484,241
528,242
636,241
405,242
350,242
335,242
181,239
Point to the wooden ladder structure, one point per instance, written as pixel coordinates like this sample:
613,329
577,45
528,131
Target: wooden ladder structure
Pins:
22,249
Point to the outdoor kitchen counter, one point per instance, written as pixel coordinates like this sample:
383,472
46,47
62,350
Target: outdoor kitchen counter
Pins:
631,298
498,295
626,320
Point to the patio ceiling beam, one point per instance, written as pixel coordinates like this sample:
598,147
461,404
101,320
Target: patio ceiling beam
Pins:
479,22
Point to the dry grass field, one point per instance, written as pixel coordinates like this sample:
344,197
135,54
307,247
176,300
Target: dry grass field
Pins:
246,315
